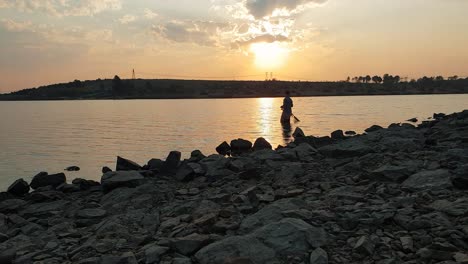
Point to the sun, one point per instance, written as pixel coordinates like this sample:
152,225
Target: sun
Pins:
269,56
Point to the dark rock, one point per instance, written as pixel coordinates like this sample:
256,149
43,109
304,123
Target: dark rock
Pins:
298,133
196,156
261,143
125,258
105,169
172,162
318,256
391,173
7,256
73,168
438,116
85,184
93,213
365,246
253,173
68,188
117,179
350,133
414,120
19,188
438,179
190,244
373,128
126,165
153,253
156,164
338,134
240,146
185,173
224,149
44,179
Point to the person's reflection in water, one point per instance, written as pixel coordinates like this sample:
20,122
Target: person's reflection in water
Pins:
287,132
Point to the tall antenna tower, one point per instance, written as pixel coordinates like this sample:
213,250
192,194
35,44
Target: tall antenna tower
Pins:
266,76
133,74
271,76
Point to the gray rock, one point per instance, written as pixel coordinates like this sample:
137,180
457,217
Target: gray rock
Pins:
19,188
365,246
44,179
126,165
181,261
318,256
45,209
407,244
456,208
155,164
291,236
190,244
438,179
125,258
235,247
391,173
298,133
346,149
91,213
373,128
270,213
153,253
116,179
196,156
185,173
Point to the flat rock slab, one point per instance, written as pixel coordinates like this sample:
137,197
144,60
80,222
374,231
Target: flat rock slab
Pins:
91,213
437,179
115,179
45,209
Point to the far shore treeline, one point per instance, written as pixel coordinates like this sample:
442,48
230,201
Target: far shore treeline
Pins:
118,88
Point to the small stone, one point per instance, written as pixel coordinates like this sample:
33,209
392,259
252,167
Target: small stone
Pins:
319,256
407,244
72,168
365,246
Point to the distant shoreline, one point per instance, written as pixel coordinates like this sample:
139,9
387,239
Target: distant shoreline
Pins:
198,89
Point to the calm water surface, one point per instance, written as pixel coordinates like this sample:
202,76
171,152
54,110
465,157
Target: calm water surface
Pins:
51,135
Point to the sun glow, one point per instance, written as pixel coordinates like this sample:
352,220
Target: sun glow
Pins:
269,55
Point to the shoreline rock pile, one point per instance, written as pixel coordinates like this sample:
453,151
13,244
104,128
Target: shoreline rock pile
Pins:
391,195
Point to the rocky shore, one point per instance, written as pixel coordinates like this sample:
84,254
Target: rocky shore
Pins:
390,195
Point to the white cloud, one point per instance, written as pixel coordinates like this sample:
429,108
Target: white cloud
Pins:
127,19
149,14
266,8
14,26
63,7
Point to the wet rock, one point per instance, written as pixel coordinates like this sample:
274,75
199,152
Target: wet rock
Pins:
72,168
240,146
44,179
438,179
68,188
373,128
337,135
172,162
117,179
126,165
19,188
414,120
261,144
318,256
224,149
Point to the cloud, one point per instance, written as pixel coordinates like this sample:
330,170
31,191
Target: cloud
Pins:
63,7
127,19
205,33
14,26
149,14
267,38
266,8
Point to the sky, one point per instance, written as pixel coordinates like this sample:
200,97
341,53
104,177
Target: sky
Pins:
52,41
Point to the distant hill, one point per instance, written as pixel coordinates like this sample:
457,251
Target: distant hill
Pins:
165,88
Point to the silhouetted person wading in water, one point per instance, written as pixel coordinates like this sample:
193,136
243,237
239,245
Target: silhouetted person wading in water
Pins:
287,109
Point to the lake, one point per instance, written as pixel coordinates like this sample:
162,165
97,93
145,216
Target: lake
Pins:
52,135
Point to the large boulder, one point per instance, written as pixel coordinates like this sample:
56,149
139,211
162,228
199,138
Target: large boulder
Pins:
155,164
270,213
373,128
235,247
185,173
172,162
224,149
338,134
190,244
117,179
240,146
19,188
261,144
437,179
196,156
391,173
126,165
298,133
44,179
